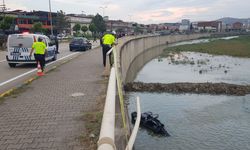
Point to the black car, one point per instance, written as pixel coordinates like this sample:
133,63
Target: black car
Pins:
150,121
80,44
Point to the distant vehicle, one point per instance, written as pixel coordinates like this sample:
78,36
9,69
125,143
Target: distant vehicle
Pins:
20,45
79,44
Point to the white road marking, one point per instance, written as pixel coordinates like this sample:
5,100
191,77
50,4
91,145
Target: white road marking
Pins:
33,70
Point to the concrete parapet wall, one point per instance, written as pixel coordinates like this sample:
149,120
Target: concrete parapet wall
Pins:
136,52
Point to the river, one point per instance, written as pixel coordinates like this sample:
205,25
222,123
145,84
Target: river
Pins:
204,122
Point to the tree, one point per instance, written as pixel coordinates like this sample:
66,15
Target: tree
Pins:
138,30
92,28
77,27
84,28
6,22
99,23
62,23
38,27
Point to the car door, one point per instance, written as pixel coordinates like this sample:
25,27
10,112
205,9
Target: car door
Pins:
51,49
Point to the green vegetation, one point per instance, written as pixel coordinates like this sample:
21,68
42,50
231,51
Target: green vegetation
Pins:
6,22
238,47
77,27
93,121
62,23
38,28
99,24
84,29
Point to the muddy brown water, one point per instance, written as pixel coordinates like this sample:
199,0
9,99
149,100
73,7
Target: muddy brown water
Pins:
195,121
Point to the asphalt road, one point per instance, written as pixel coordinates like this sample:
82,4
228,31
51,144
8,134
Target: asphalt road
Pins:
11,77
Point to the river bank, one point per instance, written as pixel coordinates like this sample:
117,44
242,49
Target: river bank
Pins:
190,93
197,88
237,47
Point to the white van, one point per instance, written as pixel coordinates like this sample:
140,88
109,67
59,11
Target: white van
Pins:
19,47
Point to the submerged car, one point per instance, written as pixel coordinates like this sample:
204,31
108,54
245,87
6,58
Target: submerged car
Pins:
80,44
150,121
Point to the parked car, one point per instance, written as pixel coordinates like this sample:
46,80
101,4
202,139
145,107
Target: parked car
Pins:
80,44
20,45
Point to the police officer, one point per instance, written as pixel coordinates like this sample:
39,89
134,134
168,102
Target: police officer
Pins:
108,40
40,51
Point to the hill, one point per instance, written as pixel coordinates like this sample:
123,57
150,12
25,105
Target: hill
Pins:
229,20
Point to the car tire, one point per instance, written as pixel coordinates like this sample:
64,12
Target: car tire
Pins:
70,49
12,65
55,57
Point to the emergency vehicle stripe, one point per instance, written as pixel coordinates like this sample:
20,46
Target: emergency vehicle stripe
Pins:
25,50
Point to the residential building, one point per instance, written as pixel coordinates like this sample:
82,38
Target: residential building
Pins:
185,25
24,20
210,26
173,26
237,26
83,20
119,26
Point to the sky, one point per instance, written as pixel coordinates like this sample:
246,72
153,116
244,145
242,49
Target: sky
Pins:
143,11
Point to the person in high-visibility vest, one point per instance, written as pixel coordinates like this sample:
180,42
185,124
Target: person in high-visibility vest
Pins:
108,40
40,51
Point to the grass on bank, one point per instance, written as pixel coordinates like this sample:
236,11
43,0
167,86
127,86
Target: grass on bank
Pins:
238,47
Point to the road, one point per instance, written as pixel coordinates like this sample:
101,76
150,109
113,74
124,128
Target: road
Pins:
11,77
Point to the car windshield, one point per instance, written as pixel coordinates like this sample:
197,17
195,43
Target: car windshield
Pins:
79,40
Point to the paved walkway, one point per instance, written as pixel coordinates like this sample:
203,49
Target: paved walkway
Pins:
46,115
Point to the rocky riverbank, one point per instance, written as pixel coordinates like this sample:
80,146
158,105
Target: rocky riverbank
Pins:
198,88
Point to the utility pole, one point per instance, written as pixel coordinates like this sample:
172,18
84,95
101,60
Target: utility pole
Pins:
3,6
51,24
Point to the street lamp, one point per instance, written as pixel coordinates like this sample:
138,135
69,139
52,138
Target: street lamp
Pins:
103,8
51,24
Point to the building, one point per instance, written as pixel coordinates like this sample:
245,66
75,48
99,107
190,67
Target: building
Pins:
83,20
185,25
119,26
24,21
237,26
173,27
210,26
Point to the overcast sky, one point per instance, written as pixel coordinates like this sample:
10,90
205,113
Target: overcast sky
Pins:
143,11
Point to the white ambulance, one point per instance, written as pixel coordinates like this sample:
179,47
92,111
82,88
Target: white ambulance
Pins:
19,47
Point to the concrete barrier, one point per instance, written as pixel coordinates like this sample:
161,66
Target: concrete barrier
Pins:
136,52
